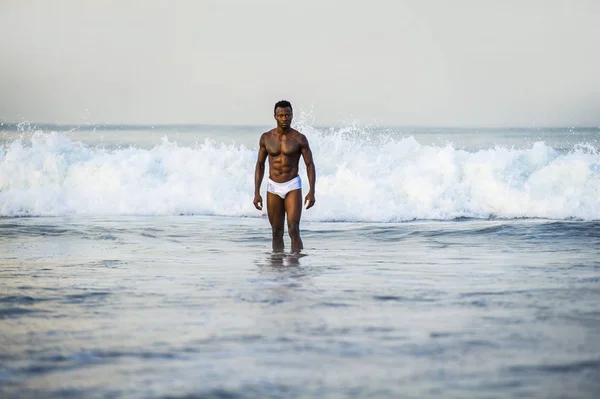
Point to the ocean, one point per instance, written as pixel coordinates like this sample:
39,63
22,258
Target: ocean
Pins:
438,263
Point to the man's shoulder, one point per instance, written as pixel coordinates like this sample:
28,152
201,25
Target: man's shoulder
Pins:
266,134
301,137
269,133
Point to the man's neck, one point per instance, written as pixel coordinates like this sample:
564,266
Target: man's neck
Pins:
283,131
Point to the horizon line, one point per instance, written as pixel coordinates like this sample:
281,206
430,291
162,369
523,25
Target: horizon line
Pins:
140,126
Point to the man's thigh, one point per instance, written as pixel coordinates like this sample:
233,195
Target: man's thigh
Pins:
293,206
275,210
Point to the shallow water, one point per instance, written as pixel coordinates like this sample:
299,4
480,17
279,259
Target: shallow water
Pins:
198,306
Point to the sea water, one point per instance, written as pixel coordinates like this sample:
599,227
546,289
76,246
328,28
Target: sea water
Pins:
437,263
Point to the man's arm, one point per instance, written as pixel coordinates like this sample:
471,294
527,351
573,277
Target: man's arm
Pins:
309,200
259,172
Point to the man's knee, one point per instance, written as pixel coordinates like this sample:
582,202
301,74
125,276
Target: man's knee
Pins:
277,232
294,229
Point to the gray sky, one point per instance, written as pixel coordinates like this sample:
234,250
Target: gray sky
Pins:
390,62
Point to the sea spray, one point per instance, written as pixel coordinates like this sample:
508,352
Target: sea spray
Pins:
361,176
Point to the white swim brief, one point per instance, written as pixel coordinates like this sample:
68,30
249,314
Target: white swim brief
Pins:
282,189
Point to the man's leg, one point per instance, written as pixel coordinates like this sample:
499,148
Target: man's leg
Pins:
293,207
276,212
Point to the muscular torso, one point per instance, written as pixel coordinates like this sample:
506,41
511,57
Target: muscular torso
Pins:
284,154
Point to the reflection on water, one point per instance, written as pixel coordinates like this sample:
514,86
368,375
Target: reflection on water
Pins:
282,270
283,259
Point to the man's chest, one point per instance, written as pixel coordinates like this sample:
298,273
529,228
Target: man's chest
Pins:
276,146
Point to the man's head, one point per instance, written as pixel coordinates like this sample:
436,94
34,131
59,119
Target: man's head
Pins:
283,114
282,104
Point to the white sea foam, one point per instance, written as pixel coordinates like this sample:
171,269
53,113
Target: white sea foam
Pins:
359,178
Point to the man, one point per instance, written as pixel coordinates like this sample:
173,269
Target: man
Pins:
284,145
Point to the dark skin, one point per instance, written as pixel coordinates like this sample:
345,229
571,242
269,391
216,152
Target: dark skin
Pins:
283,146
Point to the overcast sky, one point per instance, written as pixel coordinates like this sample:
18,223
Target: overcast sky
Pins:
389,62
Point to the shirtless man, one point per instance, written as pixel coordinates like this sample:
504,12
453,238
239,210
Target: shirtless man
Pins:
284,146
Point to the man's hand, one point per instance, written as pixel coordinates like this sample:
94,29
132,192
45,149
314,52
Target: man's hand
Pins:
309,200
258,203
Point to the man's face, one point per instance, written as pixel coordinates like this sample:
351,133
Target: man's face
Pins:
283,116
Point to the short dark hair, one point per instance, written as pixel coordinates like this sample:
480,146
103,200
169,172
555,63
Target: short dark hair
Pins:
282,104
